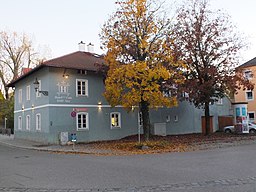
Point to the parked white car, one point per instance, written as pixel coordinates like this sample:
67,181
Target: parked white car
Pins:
231,128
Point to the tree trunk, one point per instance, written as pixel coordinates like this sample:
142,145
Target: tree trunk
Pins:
6,89
207,118
145,119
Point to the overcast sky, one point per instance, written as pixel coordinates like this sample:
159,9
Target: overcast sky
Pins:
62,24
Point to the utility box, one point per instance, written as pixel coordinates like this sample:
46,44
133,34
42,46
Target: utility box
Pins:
73,137
160,129
63,138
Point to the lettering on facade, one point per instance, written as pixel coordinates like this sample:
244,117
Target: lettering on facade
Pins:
63,95
80,109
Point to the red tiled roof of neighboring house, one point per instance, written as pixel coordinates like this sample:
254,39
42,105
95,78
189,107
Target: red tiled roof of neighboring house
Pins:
77,60
25,70
250,63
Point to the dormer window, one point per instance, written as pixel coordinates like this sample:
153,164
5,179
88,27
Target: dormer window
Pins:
248,74
82,72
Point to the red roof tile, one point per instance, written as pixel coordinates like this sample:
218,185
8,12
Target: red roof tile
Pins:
25,70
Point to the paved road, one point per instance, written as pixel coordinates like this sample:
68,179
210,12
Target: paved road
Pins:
229,169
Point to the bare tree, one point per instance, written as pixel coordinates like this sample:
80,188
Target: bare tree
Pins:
16,52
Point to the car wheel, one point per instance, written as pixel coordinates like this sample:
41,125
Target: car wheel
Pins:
227,131
253,131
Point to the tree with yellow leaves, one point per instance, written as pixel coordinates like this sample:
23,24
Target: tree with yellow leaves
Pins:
139,59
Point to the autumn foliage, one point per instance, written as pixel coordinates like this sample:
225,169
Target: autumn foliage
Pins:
208,44
139,57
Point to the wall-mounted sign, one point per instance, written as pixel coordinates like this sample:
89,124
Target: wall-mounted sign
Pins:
80,109
73,114
241,120
63,95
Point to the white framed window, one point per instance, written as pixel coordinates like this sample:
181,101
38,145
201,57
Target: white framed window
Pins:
20,95
39,89
184,95
249,95
19,123
251,115
248,74
176,118
38,121
167,93
28,92
83,72
82,121
115,120
168,118
219,101
28,122
81,87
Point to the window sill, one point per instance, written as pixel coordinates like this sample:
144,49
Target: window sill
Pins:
115,128
85,129
81,96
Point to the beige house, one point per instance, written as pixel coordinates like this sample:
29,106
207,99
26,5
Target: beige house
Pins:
249,70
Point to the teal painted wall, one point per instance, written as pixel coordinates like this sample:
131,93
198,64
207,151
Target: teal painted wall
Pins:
99,124
95,87
189,117
56,108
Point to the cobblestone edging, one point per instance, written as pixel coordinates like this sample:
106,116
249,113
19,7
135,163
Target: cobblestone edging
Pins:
157,188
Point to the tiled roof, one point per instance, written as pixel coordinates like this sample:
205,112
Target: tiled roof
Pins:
250,63
77,60
25,70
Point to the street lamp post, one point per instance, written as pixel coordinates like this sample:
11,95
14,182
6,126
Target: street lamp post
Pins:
5,122
37,84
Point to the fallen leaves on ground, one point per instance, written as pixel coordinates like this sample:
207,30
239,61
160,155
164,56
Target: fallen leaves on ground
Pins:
179,143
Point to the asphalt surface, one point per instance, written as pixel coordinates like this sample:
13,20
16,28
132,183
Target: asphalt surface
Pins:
226,169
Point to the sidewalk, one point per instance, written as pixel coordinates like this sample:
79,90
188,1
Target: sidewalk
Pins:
128,146
31,145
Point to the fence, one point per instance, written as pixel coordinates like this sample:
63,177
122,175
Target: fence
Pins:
225,121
